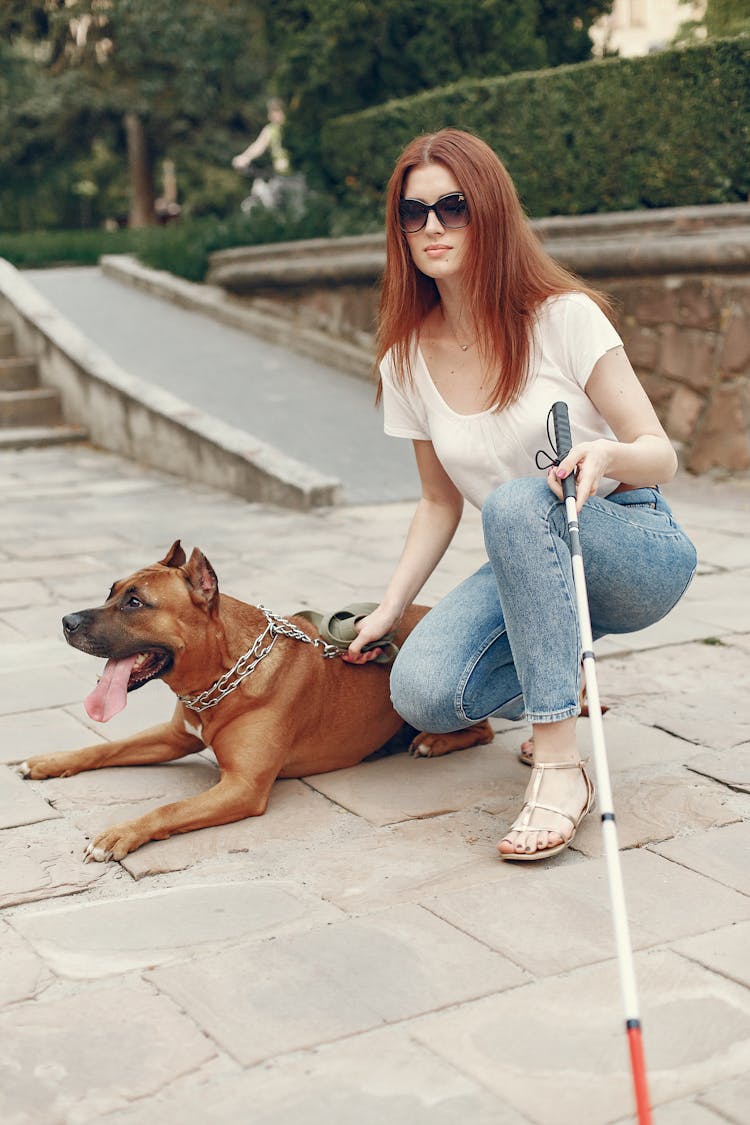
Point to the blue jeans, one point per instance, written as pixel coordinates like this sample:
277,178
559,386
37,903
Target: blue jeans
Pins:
506,641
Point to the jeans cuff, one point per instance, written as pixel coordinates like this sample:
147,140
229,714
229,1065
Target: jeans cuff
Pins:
552,716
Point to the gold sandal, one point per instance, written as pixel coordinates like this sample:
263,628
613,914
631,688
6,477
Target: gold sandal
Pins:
523,822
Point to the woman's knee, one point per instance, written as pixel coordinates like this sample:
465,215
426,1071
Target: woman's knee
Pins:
515,509
517,497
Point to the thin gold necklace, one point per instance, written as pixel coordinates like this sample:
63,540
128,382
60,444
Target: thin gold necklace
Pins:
449,326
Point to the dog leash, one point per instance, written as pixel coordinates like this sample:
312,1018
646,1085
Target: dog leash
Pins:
337,631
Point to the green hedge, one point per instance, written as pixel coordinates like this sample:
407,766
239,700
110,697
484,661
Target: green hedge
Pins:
663,130
183,247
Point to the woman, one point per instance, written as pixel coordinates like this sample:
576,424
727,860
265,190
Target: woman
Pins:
480,332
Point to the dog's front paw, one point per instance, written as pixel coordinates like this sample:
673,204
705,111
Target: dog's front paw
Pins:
114,843
93,854
45,765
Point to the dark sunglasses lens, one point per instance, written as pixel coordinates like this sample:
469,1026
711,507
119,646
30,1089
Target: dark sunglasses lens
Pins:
452,211
413,215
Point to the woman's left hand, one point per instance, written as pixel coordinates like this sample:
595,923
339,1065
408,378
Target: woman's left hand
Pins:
589,461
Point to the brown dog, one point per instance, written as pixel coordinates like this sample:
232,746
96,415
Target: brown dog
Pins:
292,714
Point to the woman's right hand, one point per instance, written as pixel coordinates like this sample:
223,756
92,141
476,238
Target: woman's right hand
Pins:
369,629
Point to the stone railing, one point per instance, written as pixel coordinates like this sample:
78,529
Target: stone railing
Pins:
680,279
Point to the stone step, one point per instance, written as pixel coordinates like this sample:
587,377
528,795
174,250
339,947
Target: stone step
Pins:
7,340
25,437
37,407
30,415
18,374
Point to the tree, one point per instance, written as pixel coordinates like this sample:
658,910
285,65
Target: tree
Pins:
339,56
166,71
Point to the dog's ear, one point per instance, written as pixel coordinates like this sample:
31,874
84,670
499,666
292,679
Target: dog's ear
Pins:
202,578
175,556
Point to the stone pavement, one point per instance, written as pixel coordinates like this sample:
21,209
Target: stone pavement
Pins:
359,954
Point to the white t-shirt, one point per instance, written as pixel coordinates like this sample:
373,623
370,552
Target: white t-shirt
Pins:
481,451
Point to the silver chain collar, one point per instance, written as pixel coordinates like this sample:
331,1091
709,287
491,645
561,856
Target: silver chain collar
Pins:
277,627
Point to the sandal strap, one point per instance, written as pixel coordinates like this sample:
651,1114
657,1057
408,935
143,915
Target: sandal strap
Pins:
532,807
522,822
562,765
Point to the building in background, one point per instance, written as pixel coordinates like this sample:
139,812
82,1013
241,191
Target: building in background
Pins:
637,27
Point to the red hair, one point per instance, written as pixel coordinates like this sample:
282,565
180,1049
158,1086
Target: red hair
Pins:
508,273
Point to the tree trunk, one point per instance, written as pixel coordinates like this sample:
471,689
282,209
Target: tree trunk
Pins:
140,167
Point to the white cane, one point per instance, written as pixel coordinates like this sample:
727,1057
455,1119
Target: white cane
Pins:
609,831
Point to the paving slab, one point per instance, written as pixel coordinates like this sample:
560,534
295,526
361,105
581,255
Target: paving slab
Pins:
725,951
682,626
333,981
75,591
294,813
76,1057
14,595
696,1030
41,864
722,508
41,732
730,1099
90,940
721,599
399,788
58,547
47,687
682,1112
739,640
49,566
673,695
8,635
22,972
410,860
723,855
560,918
722,549
631,745
119,785
656,806
19,804
730,767
380,1076
43,652
33,622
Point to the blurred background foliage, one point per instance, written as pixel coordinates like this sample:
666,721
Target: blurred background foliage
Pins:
95,93
95,96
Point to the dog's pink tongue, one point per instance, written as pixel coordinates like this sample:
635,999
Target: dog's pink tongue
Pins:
111,693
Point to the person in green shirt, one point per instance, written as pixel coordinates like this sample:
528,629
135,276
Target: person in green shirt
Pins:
268,141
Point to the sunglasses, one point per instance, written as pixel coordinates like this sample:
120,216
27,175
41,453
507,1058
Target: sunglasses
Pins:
452,212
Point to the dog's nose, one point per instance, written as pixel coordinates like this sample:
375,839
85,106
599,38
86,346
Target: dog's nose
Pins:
70,623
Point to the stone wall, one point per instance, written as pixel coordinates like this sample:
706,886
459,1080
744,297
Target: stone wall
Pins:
680,279
689,340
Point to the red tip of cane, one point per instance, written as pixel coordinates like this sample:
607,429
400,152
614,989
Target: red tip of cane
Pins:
640,1080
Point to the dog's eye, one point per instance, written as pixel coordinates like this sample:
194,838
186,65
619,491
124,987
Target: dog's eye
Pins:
133,603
